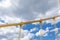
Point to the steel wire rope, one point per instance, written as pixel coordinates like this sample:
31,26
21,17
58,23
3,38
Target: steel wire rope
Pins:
41,30
56,29
19,34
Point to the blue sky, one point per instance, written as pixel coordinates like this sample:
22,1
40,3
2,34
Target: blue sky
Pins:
15,11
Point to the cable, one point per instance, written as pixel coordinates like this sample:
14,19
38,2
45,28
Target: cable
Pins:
56,30
41,29
19,34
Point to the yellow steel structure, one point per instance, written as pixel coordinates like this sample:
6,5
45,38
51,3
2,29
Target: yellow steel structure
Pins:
22,23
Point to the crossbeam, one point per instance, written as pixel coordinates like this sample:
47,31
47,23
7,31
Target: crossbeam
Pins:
21,23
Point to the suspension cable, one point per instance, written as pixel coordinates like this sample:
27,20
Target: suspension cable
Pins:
56,30
19,34
41,30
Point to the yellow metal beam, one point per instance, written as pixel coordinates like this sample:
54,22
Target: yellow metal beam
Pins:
21,23
59,2
4,25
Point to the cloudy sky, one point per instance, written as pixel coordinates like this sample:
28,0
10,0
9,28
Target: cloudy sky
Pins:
14,11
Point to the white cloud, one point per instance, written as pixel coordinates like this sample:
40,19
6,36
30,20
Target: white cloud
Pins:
12,33
28,36
5,3
34,29
43,32
49,13
35,23
56,30
9,19
58,37
4,31
4,39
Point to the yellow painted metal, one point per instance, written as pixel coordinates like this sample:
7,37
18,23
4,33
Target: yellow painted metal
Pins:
6,25
21,23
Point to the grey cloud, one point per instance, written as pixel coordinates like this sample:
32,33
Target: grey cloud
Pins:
26,8
39,6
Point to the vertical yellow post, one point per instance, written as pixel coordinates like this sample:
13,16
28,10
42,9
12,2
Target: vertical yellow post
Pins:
56,30
41,30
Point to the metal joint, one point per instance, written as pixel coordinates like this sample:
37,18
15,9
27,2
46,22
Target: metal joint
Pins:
21,23
40,21
53,17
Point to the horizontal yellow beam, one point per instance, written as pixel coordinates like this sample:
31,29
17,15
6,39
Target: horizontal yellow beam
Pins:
40,20
21,23
7,25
